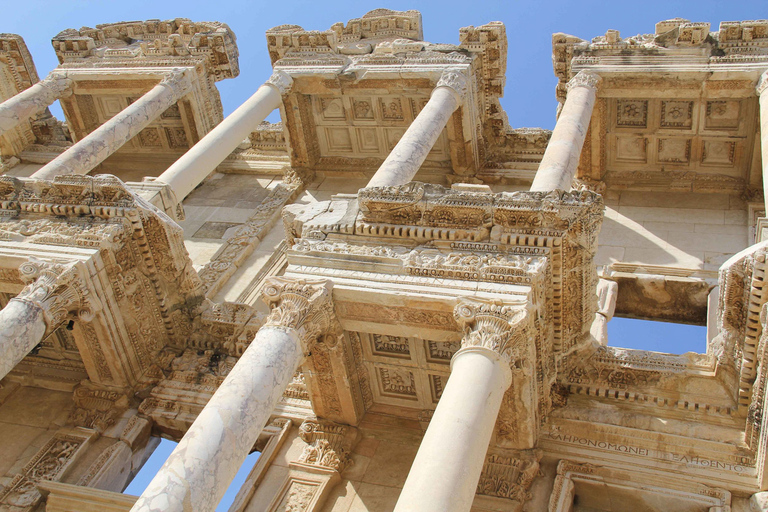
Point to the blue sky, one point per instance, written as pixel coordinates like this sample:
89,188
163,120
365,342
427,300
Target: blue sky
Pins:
529,99
529,96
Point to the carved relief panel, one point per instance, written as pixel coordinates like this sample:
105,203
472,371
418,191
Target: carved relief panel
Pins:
368,125
402,371
712,136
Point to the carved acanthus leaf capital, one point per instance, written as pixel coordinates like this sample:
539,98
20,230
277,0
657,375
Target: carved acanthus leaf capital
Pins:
58,290
456,81
300,304
282,80
328,444
584,79
762,84
495,326
58,83
178,81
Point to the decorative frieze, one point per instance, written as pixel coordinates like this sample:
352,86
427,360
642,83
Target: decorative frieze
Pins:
49,463
508,476
155,43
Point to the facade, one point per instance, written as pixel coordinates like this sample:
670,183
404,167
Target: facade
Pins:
394,296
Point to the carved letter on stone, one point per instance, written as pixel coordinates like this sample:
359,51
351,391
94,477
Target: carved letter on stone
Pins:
497,327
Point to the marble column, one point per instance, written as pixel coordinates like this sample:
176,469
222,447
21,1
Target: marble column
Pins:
34,100
762,92
56,291
402,164
561,158
94,148
607,292
447,467
198,472
196,164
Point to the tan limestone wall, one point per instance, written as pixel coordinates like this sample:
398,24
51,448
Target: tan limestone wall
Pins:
693,231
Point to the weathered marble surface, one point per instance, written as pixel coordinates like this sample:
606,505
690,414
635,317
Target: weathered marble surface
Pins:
196,164
762,91
607,291
22,327
198,472
450,459
558,165
412,149
109,137
33,100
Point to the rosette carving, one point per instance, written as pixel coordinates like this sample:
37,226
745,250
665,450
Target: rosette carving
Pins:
58,290
495,326
303,305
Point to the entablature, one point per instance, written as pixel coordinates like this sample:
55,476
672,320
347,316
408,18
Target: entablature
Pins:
139,280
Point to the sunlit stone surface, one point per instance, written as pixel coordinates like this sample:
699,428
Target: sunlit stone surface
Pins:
400,301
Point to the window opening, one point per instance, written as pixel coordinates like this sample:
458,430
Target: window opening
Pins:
655,336
161,454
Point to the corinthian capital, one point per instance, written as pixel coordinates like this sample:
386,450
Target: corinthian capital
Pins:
303,305
584,79
497,327
282,80
762,84
58,83
58,290
455,80
328,444
178,81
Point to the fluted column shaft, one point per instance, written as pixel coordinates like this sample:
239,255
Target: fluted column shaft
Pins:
762,91
97,146
33,100
196,164
198,472
55,292
561,158
405,160
447,467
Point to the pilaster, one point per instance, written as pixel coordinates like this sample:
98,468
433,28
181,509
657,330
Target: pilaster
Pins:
318,468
